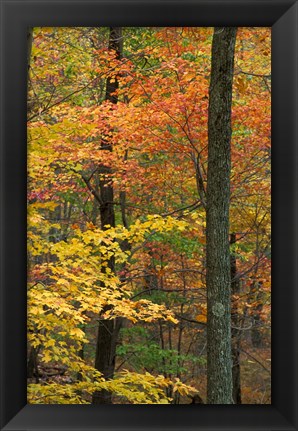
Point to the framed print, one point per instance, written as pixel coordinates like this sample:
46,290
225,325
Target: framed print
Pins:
146,283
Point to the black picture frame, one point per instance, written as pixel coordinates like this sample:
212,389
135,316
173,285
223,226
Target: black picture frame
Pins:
16,16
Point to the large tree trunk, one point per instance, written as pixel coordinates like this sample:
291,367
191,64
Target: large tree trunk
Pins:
108,330
218,279
236,331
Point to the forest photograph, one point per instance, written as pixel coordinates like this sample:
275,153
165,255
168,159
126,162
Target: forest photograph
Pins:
149,215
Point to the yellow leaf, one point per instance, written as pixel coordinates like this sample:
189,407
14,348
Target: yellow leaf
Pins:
201,318
46,356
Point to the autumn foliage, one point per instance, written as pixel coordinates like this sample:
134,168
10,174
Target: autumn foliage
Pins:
158,133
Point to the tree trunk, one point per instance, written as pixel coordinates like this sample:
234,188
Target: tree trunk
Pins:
236,333
29,45
256,296
32,365
218,279
108,330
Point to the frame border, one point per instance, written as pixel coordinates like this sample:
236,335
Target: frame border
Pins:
16,16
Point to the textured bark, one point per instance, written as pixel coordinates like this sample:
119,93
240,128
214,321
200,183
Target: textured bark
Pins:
108,330
236,323
218,279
